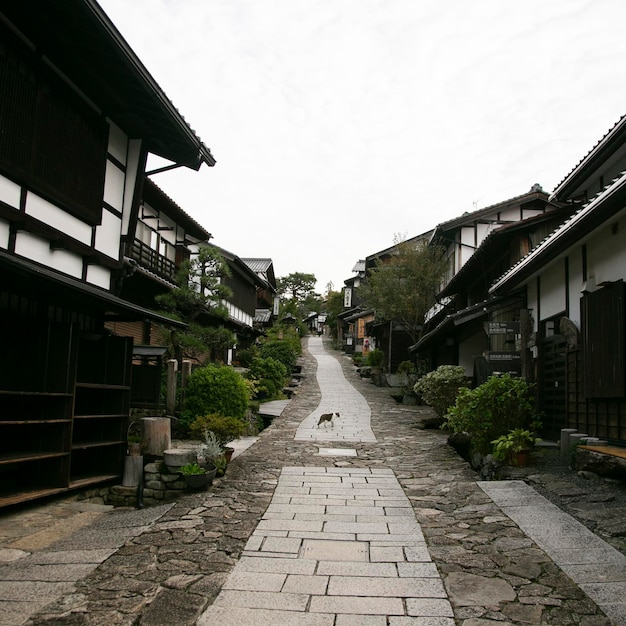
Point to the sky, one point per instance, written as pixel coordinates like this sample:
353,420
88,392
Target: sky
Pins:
339,125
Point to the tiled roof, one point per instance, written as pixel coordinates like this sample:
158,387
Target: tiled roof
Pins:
258,265
467,217
612,131
575,225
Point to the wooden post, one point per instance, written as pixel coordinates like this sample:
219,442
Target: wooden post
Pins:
170,402
184,374
157,435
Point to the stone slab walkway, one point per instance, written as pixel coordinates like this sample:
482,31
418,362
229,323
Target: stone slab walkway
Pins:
337,396
594,565
335,545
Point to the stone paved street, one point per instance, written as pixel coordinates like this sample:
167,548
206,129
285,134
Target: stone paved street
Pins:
390,528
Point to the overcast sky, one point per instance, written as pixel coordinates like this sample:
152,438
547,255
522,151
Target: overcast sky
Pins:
338,123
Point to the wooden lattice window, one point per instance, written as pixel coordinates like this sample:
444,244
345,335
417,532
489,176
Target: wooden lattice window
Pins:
603,338
50,139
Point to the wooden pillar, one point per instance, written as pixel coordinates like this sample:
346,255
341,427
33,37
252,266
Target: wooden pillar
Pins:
170,401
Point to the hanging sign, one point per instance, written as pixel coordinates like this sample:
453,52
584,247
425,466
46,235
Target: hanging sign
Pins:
502,328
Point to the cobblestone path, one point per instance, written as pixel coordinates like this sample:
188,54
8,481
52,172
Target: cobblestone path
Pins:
478,567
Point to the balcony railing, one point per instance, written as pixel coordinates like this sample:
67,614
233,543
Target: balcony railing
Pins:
150,259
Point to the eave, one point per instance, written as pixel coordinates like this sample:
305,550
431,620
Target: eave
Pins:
79,41
580,226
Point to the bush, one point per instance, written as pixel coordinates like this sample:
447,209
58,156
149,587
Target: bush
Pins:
375,358
498,406
281,350
215,389
269,377
440,387
225,429
246,355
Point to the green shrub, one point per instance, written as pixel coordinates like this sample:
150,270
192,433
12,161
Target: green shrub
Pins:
281,350
225,429
215,389
407,368
498,406
269,376
375,358
440,387
246,355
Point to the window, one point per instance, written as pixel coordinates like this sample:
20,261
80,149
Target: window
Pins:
603,341
50,140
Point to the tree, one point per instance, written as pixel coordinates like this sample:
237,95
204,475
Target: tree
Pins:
403,287
198,301
333,307
296,285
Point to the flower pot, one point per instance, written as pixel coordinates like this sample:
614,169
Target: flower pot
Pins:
134,448
228,453
521,458
200,481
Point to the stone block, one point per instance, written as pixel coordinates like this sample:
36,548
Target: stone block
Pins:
157,485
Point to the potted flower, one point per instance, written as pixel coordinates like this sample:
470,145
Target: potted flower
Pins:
211,453
197,477
133,439
514,447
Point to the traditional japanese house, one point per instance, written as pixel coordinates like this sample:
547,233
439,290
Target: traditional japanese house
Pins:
571,286
79,114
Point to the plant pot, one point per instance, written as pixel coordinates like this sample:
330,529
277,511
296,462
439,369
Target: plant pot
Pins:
521,458
228,453
134,448
200,481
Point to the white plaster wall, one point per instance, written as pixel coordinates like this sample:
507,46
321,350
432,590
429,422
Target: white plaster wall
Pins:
526,213
552,288
108,235
38,250
237,314
132,167
114,186
4,234
168,235
575,284
118,143
57,218
9,192
99,276
467,245
482,230
606,253
470,349
510,215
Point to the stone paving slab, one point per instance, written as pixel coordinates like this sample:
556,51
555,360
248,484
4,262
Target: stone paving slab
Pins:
562,537
337,396
347,571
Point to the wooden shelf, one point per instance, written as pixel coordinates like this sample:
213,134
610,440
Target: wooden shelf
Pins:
102,386
24,457
85,481
95,444
100,416
35,394
28,495
42,421
66,396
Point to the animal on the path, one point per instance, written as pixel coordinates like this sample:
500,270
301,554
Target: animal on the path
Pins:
327,417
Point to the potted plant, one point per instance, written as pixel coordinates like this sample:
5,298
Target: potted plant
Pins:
133,439
514,447
197,477
225,430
